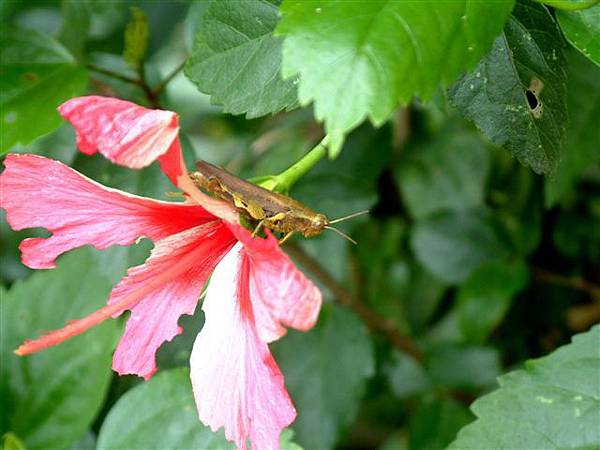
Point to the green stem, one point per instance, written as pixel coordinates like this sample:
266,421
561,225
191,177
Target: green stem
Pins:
287,178
163,84
569,5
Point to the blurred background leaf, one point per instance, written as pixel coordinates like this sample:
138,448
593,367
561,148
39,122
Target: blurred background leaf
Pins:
50,398
583,152
325,371
37,75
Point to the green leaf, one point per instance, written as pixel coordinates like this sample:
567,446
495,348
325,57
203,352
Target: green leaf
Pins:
406,375
484,298
517,94
553,403
358,60
517,199
436,423
236,59
37,74
87,442
447,172
159,414
582,30
388,274
76,25
458,366
325,371
583,134
50,398
137,33
450,245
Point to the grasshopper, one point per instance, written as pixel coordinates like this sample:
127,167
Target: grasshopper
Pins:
259,205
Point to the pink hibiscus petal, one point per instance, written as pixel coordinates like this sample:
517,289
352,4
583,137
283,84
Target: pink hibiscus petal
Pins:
126,133
40,192
181,264
171,269
282,296
237,383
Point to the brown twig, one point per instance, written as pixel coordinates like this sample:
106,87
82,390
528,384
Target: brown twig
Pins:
110,73
373,320
572,282
152,94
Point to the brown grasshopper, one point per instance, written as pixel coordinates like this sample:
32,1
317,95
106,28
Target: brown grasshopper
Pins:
259,205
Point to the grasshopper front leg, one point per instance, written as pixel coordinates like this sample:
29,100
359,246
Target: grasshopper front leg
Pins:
285,238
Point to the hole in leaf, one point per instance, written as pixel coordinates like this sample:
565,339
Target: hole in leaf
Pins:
531,99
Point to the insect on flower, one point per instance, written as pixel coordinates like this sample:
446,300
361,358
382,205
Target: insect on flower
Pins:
255,291
263,207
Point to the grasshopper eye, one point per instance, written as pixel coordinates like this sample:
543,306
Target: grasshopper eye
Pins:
320,221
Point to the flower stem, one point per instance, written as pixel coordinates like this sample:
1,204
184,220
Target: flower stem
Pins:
289,177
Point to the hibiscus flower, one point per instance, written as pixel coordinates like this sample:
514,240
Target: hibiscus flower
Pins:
255,291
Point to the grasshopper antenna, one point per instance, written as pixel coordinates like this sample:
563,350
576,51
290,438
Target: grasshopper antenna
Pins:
341,233
349,216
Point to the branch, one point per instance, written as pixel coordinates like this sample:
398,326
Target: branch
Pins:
139,82
373,320
572,282
110,73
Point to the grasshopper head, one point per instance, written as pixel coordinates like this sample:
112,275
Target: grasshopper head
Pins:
317,223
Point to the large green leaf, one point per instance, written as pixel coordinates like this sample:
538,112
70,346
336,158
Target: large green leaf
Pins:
161,414
553,403
447,172
582,29
37,74
237,60
360,59
484,298
49,399
517,94
325,371
451,244
583,134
